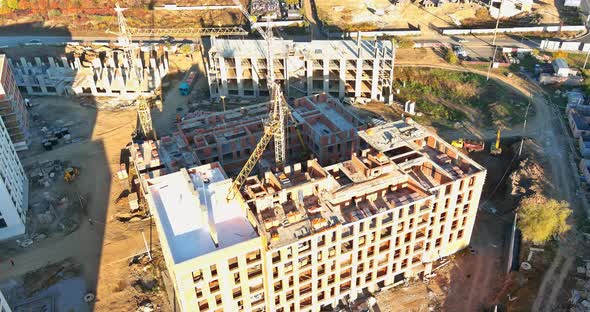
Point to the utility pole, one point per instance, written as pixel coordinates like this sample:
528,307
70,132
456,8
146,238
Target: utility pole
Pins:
587,55
494,40
524,127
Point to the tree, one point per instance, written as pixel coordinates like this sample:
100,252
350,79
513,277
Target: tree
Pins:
12,4
451,57
540,218
560,54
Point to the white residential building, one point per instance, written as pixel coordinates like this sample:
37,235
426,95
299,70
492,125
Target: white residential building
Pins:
13,189
4,304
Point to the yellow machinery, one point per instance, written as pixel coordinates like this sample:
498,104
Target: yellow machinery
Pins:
70,174
495,149
271,128
457,143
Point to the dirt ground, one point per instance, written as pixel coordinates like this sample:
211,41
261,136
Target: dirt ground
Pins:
359,15
101,245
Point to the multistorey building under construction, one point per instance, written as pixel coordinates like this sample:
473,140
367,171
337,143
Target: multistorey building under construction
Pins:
321,126
310,235
340,68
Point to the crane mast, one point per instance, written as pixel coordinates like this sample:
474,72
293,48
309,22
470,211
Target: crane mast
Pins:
125,42
274,127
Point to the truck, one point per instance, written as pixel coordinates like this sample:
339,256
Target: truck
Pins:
187,85
469,145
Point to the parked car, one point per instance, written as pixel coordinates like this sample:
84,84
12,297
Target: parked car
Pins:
167,38
460,51
460,40
34,42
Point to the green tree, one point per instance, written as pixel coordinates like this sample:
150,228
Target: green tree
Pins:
451,57
540,218
12,4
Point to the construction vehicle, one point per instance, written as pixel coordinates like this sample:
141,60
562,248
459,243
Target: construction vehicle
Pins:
187,85
469,145
71,173
496,150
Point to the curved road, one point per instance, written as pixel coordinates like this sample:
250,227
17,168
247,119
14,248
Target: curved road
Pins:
549,130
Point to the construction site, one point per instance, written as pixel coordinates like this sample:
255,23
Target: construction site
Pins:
245,174
316,234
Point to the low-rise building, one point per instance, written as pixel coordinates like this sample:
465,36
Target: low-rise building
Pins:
584,145
305,237
560,67
579,122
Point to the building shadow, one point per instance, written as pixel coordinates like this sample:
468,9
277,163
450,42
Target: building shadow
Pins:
53,77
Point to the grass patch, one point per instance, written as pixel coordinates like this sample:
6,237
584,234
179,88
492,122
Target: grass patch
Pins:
573,59
446,97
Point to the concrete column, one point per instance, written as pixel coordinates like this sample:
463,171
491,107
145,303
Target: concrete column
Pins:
28,84
326,75
223,72
255,85
359,76
342,82
24,64
96,63
239,76
77,63
38,61
287,89
64,61
309,71
106,81
51,62
375,80
391,74
42,85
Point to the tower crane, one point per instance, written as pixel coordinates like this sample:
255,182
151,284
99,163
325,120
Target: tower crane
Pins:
125,41
274,127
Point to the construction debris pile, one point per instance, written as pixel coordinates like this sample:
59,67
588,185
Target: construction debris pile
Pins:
527,179
580,296
54,214
265,7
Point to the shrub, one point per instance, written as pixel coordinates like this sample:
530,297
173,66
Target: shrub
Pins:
54,13
404,43
451,57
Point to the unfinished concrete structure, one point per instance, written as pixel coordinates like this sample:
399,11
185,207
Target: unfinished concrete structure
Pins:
99,72
327,127
310,235
12,108
14,189
340,68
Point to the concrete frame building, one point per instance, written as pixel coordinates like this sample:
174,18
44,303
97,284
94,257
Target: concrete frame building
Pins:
13,189
327,127
340,68
310,235
12,107
4,304
100,72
